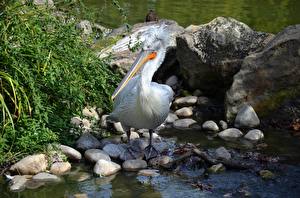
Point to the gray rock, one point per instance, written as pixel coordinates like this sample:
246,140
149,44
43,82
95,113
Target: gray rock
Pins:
18,183
85,26
183,123
93,155
87,141
31,165
161,146
268,77
91,113
210,126
149,172
106,168
231,133
254,135
172,81
223,124
223,153
103,121
48,3
218,168
123,57
186,101
160,161
184,112
210,54
134,165
246,117
114,150
60,168
118,127
171,118
46,177
70,152
133,135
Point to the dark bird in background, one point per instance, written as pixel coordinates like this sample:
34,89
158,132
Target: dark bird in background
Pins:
151,16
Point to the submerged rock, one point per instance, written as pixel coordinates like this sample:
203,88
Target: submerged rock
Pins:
18,183
254,135
210,126
70,152
229,134
183,123
134,165
59,168
246,117
93,155
210,54
46,177
149,172
87,141
268,77
31,165
106,168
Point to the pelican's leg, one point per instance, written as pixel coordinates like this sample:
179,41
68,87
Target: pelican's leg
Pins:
150,151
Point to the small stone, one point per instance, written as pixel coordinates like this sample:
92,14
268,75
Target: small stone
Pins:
183,123
85,26
266,174
223,153
246,117
186,101
197,93
171,118
184,112
106,168
46,177
149,172
218,168
254,135
223,124
31,165
134,165
160,161
93,155
59,168
118,127
76,121
91,113
172,81
210,126
113,150
103,121
70,152
229,134
87,141
18,183
133,135
203,101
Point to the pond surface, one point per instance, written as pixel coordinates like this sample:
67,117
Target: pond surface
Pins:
168,184
266,15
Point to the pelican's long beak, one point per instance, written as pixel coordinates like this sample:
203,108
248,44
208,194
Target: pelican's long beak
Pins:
142,58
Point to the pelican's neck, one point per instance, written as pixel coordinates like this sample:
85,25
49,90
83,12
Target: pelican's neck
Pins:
148,71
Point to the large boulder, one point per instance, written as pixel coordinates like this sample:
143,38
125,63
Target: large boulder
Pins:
31,165
210,54
268,77
123,57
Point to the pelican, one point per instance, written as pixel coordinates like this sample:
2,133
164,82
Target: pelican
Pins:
139,102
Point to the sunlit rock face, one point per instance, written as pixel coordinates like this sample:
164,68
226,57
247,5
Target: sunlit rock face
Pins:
268,77
210,54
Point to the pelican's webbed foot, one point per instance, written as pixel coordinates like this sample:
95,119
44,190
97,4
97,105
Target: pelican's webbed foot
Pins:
150,152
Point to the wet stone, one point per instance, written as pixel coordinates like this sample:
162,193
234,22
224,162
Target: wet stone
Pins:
160,161
230,134
114,150
87,141
183,123
246,117
223,124
59,168
106,168
134,165
93,155
30,165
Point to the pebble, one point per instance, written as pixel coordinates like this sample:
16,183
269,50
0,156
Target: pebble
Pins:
183,123
59,168
229,134
93,155
246,117
210,126
134,165
186,101
184,112
71,153
254,135
106,168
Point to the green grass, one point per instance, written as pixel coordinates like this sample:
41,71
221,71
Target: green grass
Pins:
47,75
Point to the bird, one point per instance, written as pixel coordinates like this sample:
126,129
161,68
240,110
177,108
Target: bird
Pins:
138,102
151,16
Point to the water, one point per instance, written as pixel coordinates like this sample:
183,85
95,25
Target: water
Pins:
268,15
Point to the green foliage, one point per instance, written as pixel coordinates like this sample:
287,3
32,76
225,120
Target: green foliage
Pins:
48,74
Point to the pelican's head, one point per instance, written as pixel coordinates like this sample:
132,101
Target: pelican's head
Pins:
154,44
